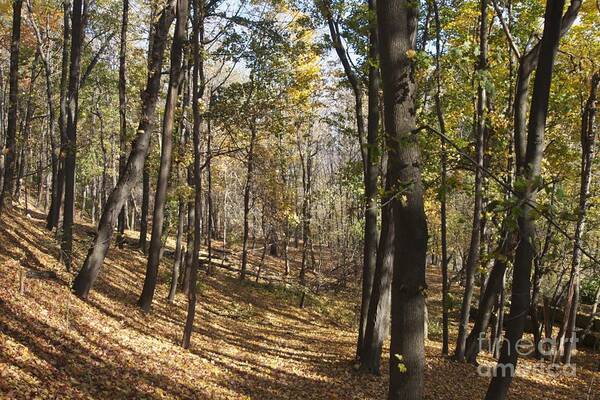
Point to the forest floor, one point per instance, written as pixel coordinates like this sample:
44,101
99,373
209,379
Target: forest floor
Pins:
252,341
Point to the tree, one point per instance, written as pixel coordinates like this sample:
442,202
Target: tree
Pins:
175,76
11,130
59,182
247,189
480,140
368,151
123,109
530,174
198,85
45,55
443,179
371,176
135,163
567,334
78,23
528,62
397,21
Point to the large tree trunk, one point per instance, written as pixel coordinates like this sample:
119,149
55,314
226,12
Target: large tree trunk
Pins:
160,198
135,163
474,247
122,111
397,32
198,92
13,97
567,337
498,388
79,17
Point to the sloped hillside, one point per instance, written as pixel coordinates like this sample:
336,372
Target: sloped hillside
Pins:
252,341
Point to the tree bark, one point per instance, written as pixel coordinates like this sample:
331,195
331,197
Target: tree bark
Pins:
135,163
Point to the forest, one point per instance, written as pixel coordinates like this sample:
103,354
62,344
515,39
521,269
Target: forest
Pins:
299,199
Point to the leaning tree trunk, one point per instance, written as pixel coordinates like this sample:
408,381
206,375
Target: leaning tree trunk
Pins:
474,247
13,97
504,373
397,33
160,198
79,17
135,163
